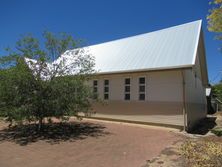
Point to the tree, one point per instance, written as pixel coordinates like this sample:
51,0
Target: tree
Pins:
215,18
217,91
44,82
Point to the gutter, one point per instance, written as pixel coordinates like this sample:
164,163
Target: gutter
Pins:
145,70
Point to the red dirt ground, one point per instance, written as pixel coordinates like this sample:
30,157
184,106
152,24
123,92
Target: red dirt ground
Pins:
122,145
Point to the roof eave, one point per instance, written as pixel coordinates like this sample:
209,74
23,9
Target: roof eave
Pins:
147,70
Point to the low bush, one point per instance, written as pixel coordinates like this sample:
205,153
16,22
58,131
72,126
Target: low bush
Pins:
217,131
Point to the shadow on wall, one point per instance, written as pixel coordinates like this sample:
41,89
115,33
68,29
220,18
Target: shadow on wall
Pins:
53,133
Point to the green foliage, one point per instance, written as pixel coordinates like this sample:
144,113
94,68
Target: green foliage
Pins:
215,18
57,45
217,91
32,91
217,131
15,85
202,153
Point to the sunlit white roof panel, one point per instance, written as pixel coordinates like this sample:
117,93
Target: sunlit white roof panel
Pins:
173,47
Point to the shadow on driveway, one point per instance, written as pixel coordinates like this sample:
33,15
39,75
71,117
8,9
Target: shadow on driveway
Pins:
53,133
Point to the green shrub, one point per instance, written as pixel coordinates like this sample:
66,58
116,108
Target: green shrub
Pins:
217,131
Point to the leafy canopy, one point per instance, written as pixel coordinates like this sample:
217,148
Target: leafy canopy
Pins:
217,91
35,80
215,18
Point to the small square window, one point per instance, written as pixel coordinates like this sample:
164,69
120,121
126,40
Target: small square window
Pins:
106,89
127,88
142,96
127,81
127,96
106,82
142,88
106,96
95,83
142,80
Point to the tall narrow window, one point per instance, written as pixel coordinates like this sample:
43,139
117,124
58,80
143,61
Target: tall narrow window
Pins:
95,89
106,89
142,88
127,89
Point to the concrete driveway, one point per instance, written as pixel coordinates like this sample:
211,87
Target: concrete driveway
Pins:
113,145
175,121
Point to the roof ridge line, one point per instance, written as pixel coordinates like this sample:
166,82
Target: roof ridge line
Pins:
124,38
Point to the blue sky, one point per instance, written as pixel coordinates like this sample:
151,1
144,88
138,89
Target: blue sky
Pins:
98,21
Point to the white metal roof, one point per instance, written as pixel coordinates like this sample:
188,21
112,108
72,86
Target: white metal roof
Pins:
173,47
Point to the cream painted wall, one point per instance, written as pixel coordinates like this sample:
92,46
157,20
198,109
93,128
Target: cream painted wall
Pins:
196,105
162,86
165,86
164,94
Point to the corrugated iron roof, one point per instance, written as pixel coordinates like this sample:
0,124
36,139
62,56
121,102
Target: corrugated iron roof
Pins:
173,47
170,48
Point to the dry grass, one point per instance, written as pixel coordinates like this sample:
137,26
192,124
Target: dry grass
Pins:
206,152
